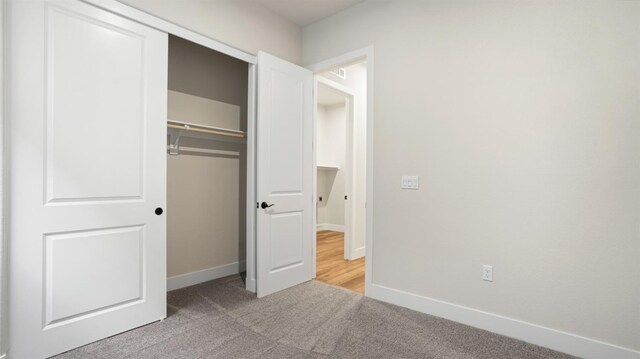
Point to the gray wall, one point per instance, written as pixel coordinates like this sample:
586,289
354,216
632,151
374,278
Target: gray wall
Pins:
522,119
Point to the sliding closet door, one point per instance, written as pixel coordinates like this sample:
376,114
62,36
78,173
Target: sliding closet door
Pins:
88,168
285,227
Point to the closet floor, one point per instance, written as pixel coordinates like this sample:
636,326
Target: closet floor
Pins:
331,266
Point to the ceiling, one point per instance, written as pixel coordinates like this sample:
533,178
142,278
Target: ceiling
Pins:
306,12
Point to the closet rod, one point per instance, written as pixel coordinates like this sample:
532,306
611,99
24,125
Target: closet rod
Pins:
205,129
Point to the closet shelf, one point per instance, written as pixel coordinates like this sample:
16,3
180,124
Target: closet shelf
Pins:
328,168
205,129
178,129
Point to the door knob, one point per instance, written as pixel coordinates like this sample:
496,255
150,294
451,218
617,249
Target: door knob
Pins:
264,205
159,211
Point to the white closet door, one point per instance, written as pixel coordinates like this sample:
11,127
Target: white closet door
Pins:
88,167
284,175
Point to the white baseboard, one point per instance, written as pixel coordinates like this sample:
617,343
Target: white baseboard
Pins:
528,332
193,278
330,227
358,253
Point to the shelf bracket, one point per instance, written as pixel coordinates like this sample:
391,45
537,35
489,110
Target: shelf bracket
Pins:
174,142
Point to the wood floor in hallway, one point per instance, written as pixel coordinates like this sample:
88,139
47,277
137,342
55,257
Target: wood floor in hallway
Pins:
332,268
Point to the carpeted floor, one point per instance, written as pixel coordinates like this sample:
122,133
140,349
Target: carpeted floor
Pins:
219,319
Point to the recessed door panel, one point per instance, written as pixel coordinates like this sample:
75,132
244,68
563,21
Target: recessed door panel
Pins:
95,108
286,231
89,271
287,133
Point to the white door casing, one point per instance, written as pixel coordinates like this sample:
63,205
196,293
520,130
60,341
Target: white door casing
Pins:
88,169
285,231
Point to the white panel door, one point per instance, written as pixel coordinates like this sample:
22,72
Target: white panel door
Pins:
284,175
88,166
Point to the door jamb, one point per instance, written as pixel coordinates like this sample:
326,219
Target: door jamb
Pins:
363,54
4,205
251,245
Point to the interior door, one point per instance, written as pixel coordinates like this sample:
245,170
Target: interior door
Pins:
284,175
87,90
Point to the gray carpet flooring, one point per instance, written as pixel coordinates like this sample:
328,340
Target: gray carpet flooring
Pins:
219,319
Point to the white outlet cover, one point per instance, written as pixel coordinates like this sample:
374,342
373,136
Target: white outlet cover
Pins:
410,182
487,273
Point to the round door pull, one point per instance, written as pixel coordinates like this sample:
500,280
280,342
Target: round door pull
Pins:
265,205
158,211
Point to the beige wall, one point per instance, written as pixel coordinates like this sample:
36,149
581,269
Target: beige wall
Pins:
522,119
245,25
202,72
207,182
203,207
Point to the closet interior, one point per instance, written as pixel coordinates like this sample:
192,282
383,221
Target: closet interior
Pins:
206,165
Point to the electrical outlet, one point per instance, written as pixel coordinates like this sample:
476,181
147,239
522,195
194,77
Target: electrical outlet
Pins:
487,273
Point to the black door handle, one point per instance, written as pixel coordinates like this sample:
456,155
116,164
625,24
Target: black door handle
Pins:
159,211
264,205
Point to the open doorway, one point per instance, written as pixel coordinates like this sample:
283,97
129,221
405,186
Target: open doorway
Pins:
341,176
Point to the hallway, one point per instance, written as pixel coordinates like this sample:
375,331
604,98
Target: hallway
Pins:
332,268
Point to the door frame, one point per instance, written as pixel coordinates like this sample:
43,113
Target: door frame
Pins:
349,58
349,168
3,189
251,215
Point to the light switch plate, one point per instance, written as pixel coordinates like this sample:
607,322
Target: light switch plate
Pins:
410,182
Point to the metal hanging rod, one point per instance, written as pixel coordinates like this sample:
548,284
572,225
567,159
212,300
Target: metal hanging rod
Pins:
205,129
